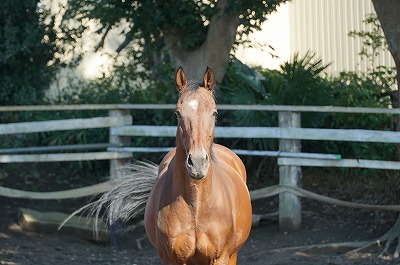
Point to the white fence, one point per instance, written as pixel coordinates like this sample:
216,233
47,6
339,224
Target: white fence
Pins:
289,133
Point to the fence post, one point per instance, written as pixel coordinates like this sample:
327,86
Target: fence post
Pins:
289,204
117,163
119,140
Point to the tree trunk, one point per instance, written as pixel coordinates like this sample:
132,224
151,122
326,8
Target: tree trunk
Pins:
215,50
388,13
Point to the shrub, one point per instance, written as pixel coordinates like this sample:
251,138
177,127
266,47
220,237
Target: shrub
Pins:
362,90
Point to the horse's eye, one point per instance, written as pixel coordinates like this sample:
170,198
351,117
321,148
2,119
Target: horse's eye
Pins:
215,114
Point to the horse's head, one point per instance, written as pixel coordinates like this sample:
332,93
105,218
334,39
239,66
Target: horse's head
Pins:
196,111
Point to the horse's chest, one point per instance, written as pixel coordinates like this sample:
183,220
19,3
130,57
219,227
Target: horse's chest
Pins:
190,235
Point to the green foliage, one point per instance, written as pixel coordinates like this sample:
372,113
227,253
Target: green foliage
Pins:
374,41
362,90
304,82
125,86
26,48
244,85
299,82
145,23
371,89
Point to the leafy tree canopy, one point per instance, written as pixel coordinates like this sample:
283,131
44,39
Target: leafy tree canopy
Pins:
150,21
25,51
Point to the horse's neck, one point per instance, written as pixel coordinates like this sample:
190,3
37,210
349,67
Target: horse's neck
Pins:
190,189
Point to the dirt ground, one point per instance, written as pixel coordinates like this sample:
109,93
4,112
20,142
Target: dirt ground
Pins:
266,245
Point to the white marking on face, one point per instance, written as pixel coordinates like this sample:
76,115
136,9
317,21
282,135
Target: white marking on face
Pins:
203,151
194,104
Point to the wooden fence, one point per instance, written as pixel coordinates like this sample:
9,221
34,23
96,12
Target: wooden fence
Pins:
289,133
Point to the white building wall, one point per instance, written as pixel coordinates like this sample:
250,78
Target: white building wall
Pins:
320,26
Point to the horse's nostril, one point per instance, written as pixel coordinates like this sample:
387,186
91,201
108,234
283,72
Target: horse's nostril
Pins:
206,157
189,160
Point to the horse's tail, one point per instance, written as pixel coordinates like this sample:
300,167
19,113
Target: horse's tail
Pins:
127,196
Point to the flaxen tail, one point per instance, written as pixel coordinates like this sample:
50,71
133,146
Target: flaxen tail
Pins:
127,196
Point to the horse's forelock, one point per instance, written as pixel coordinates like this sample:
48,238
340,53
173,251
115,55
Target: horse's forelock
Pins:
192,87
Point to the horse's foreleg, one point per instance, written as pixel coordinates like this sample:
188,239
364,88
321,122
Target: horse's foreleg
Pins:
233,259
226,260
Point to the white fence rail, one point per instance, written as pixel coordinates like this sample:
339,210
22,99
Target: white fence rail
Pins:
62,125
351,135
119,122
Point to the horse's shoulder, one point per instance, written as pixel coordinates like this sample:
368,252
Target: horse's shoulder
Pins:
223,151
224,155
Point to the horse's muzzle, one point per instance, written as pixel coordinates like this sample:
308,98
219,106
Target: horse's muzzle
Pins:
197,164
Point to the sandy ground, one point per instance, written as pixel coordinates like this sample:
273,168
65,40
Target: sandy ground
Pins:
266,245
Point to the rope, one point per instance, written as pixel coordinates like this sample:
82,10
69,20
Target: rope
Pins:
255,195
55,195
275,190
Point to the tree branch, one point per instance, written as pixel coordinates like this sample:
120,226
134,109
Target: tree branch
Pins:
101,42
127,40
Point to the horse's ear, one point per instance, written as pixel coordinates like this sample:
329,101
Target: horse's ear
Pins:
180,79
209,79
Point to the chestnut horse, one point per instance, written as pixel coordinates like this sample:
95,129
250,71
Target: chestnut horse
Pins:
197,205
199,211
